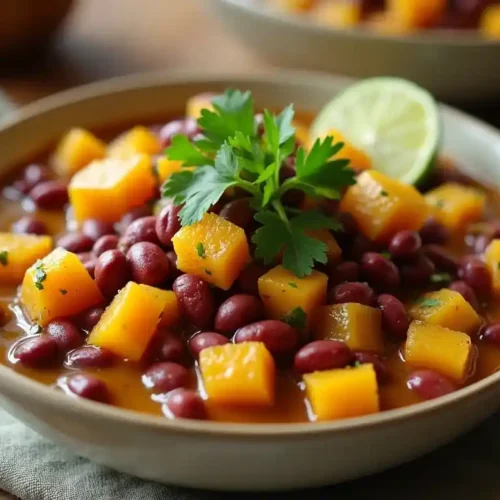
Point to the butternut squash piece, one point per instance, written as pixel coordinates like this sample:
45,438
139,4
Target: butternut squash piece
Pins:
421,14
171,312
447,351
58,285
165,168
301,133
139,140
238,374
490,22
455,205
198,102
349,392
492,257
282,292
107,189
76,150
446,308
359,326
333,252
18,252
214,249
383,206
295,6
130,321
387,23
338,14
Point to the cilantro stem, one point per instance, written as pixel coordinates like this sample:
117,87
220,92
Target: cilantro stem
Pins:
248,186
280,210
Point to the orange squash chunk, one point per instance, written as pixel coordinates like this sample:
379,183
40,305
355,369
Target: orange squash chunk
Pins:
76,150
338,14
333,252
58,285
421,14
349,392
18,252
198,102
301,133
446,308
492,257
359,326
437,348
295,6
165,168
238,374
455,205
130,321
282,292
107,189
139,140
490,22
383,206
214,249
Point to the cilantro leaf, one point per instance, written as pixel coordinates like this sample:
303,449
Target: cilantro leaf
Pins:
40,275
4,257
182,149
426,302
279,129
177,185
296,318
313,219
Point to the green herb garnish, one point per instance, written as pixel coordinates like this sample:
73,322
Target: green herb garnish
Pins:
498,266
426,302
200,249
441,278
386,255
297,318
208,272
292,284
439,204
40,275
384,193
4,257
63,291
232,153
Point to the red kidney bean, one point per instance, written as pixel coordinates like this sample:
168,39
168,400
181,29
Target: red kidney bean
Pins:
165,377
380,271
481,243
76,242
395,320
187,126
203,340
238,212
50,195
466,292
90,266
434,232
112,272
148,263
89,318
172,259
133,215
39,351
66,334
104,243
322,355
171,348
33,175
277,336
196,299
378,365
89,356
491,334
168,223
88,387
140,230
185,403
238,311
429,384
441,258
417,272
344,272
349,224
95,228
476,274
405,244
29,225
361,246
359,293
249,278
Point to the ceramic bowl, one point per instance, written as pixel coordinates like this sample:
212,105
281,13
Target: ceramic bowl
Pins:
219,455
454,66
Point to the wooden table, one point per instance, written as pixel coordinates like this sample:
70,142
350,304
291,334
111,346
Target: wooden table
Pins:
106,38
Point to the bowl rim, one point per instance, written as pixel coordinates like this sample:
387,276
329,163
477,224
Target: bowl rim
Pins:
459,38
38,392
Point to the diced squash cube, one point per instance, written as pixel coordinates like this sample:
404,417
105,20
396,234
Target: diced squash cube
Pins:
109,188
214,249
423,13
139,140
387,23
446,308
18,252
438,348
455,205
166,168
492,257
171,312
58,285
338,14
301,133
282,292
238,374
198,102
490,22
76,150
295,6
383,206
333,252
349,392
129,323
359,326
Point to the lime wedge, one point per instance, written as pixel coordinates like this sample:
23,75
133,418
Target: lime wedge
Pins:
392,120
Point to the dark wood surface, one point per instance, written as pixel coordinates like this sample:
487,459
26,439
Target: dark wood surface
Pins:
105,38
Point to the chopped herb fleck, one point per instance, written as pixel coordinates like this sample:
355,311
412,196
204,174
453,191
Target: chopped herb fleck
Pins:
34,329
441,278
357,363
384,193
425,302
498,265
292,284
440,203
40,275
201,250
4,257
63,291
208,272
297,318
386,255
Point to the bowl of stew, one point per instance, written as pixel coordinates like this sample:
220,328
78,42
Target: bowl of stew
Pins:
142,336
363,39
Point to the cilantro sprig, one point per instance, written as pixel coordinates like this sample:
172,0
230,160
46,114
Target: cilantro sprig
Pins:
237,150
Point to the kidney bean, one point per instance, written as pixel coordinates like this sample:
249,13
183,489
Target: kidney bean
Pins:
185,403
76,242
405,244
379,271
140,230
171,348
186,126
441,258
165,377
104,243
66,334
481,243
361,246
88,387
89,318
239,212
29,225
322,355
249,278
434,232
195,299
203,340
172,259
378,365
395,320
90,267
277,336
429,384
491,334
50,195
35,174
349,224
112,272
238,311
89,356
95,228
168,223
148,263
38,351
133,215
344,272
476,274
466,292
417,272
359,293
